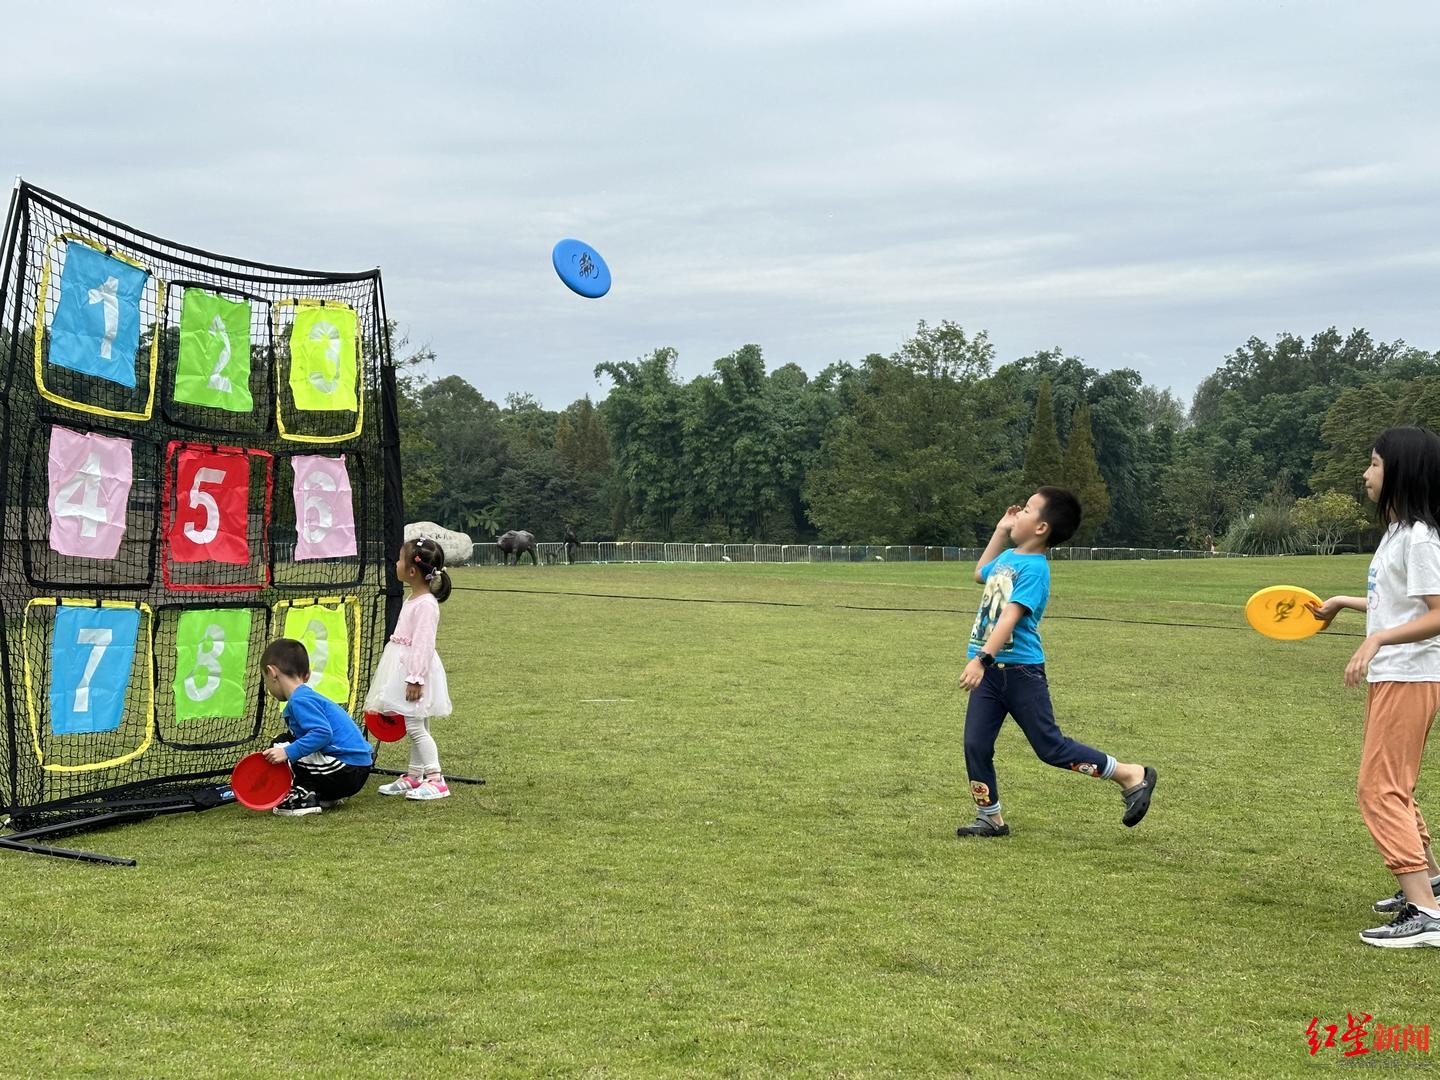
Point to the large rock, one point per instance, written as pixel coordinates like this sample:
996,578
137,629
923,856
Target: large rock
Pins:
457,546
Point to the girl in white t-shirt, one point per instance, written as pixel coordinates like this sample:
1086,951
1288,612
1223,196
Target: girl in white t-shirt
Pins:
1400,659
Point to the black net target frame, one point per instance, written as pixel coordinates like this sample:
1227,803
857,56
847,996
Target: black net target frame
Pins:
158,759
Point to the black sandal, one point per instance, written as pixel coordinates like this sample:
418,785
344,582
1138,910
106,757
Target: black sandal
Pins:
983,826
1137,799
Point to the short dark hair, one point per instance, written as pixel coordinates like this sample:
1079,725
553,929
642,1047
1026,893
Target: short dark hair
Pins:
1410,492
288,656
1061,513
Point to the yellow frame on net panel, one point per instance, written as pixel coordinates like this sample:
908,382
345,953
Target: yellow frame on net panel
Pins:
42,331
147,633
304,302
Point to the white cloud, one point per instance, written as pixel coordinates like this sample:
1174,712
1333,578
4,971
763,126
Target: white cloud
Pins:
1146,184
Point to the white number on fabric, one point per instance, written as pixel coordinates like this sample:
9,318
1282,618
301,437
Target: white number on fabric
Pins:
99,640
320,654
108,296
80,497
218,380
209,659
331,336
318,510
203,500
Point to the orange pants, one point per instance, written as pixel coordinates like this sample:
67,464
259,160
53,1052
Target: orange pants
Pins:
1398,716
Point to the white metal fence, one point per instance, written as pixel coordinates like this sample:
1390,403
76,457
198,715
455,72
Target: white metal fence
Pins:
647,551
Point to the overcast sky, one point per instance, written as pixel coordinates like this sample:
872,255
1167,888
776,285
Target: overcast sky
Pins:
1144,185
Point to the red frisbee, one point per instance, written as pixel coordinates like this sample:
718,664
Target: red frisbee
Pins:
259,784
385,726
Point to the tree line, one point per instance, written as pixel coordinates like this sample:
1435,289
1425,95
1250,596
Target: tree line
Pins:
926,445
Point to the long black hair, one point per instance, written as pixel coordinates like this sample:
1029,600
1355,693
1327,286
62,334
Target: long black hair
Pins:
429,559
1410,492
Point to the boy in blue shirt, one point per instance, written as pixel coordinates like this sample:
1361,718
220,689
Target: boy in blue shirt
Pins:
1006,671
325,750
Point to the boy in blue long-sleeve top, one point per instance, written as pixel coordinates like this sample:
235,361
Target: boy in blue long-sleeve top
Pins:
1006,669
326,751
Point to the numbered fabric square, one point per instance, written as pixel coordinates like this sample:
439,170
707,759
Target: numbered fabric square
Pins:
217,505
213,366
324,508
88,492
326,631
211,522
212,649
94,652
96,329
324,366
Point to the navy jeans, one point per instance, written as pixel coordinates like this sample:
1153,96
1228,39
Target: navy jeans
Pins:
1019,690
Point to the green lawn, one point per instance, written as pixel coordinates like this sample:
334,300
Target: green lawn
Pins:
718,838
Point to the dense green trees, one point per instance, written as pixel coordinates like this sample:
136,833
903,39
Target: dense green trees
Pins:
1044,463
924,446
915,457
1081,474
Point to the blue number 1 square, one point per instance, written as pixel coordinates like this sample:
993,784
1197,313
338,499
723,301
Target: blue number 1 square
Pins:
96,328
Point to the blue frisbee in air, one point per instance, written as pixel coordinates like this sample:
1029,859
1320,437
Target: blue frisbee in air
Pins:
581,268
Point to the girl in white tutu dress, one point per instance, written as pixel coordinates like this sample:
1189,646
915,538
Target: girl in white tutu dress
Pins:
410,679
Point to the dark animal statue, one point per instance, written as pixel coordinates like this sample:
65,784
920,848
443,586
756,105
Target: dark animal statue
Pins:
516,543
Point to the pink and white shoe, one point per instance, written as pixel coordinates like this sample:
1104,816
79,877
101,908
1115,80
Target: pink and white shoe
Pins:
402,785
433,788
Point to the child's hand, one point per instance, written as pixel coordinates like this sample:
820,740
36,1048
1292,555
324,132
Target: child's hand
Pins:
972,675
1007,520
413,691
1327,611
1360,663
275,755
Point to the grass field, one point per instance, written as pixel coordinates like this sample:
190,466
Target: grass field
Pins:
718,838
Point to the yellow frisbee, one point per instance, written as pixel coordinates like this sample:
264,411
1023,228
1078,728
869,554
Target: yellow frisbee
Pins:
1280,612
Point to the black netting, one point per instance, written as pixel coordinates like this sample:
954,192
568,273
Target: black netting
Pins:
234,526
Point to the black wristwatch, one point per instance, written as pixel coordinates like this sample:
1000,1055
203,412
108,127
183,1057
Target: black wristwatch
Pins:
985,658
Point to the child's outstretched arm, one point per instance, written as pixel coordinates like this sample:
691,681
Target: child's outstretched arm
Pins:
1327,611
999,540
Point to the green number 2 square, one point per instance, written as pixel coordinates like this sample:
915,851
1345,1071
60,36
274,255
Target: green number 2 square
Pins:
214,364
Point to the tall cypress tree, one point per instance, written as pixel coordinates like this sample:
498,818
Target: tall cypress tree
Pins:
1043,463
1081,474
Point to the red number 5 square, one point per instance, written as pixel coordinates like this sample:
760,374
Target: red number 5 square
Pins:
217,517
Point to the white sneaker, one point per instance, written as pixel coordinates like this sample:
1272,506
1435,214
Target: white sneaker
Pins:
402,785
1392,904
430,789
1411,929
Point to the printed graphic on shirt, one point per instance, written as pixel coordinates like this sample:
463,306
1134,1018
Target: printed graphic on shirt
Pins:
992,602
